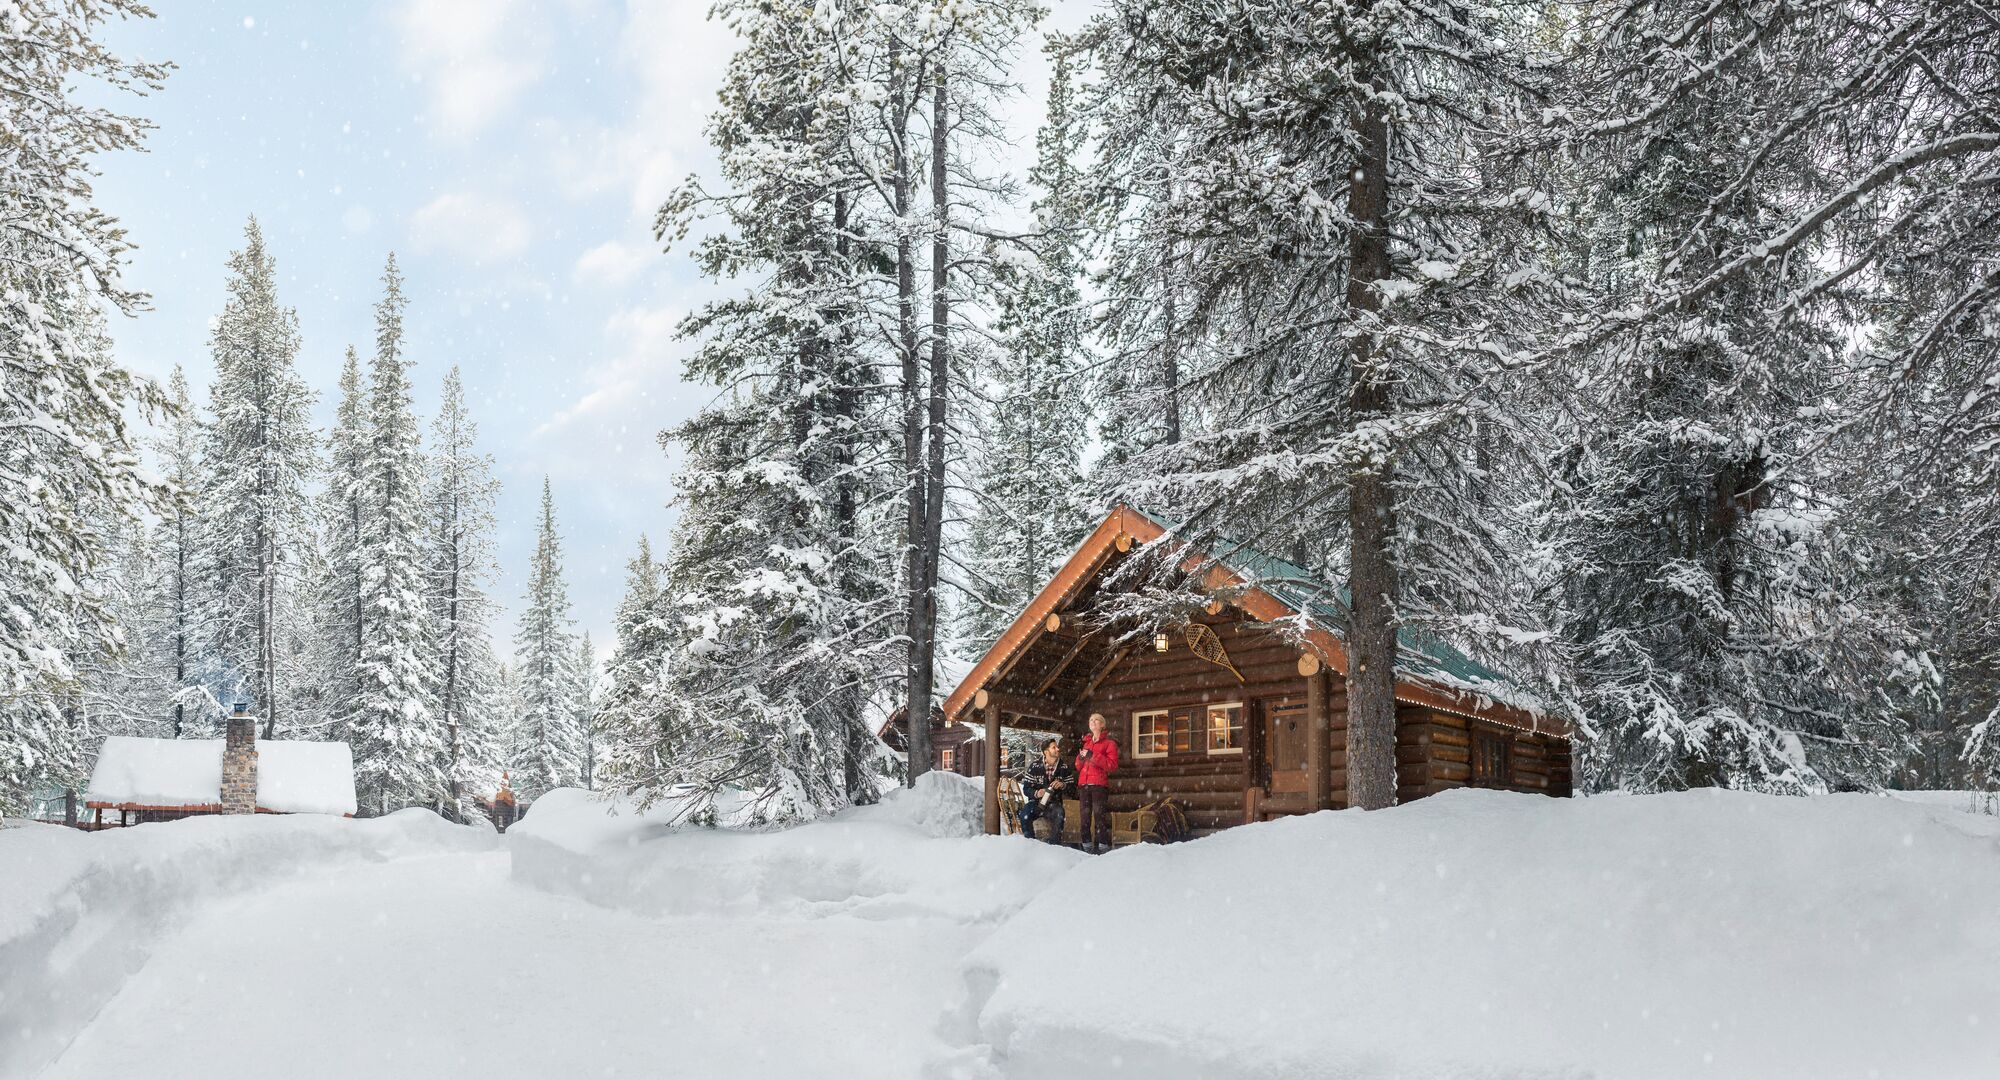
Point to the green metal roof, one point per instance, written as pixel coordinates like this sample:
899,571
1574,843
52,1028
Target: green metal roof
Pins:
1420,654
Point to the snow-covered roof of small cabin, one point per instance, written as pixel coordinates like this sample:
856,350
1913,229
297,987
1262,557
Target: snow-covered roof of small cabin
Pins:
292,777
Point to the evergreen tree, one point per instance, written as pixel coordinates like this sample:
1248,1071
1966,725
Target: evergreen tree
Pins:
1032,507
258,457
176,558
768,644
632,672
63,438
548,747
460,523
585,698
1285,196
342,596
1742,599
400,751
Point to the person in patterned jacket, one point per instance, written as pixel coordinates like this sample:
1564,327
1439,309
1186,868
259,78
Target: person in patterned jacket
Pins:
1046,782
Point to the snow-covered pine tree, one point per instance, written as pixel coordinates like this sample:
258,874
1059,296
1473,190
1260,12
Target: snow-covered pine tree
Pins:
943,69
632,672
547,745
175,556
459,552
340,593
585,697
399,748
258,458
1031,505
1778,168
777,608
1319,232
63,435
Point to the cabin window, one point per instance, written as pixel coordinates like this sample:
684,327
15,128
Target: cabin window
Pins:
1184,741
1492,764
947,757
1225,728
1149,734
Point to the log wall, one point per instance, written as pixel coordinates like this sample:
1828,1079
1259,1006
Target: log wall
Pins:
1433,748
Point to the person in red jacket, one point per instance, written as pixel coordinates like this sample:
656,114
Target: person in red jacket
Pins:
1095,763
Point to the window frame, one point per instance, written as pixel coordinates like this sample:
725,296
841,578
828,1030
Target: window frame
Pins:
1161,733
1502,757
1241,728
948,758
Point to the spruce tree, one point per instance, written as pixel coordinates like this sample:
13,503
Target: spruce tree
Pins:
400,751
258,458
547,751
64,442
632,672
340,591
1031,506
1285,196
459,552
176,557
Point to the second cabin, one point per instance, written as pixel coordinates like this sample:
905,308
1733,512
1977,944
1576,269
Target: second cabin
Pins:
1238,712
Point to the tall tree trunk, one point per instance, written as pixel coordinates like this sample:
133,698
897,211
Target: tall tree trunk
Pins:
180,615
1170,367
451,691
902,98
845,523
939,375
1371,629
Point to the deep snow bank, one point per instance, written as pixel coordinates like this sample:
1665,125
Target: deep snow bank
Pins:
80,911
1476,934
915,854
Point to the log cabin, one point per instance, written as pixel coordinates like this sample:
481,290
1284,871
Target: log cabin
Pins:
955,748
143,780
1238,711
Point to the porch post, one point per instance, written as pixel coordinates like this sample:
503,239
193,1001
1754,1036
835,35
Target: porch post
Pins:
1319,726
993,752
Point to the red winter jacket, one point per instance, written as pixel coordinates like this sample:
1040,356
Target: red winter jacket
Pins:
1096,769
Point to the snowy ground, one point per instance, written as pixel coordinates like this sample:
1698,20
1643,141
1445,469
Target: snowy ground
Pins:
1473,935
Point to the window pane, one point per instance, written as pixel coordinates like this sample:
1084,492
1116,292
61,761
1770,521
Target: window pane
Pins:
1225,727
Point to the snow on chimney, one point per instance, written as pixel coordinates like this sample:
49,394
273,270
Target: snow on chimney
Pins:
239,763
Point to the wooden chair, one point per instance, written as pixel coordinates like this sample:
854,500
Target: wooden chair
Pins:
1131,827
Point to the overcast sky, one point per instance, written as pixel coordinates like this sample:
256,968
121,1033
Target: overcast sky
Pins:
512,154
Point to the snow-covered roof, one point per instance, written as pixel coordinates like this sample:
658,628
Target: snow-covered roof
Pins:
292,777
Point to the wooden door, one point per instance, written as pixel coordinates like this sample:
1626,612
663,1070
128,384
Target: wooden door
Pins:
1285,750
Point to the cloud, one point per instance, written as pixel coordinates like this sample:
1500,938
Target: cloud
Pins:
658,137
613,263
476,227
643,367
475,57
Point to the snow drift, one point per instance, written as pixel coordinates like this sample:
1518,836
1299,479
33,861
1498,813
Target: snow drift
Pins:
81,911
1479,934
918,853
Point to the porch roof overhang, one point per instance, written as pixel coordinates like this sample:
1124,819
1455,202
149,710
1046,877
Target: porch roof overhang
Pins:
1433,679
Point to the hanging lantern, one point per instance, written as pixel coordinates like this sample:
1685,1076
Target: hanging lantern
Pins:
1161,642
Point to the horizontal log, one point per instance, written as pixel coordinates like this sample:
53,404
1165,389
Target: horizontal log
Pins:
1175,784
1215,819
1451,753
1450,770
1203,801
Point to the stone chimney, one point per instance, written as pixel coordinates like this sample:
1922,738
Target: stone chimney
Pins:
239,763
